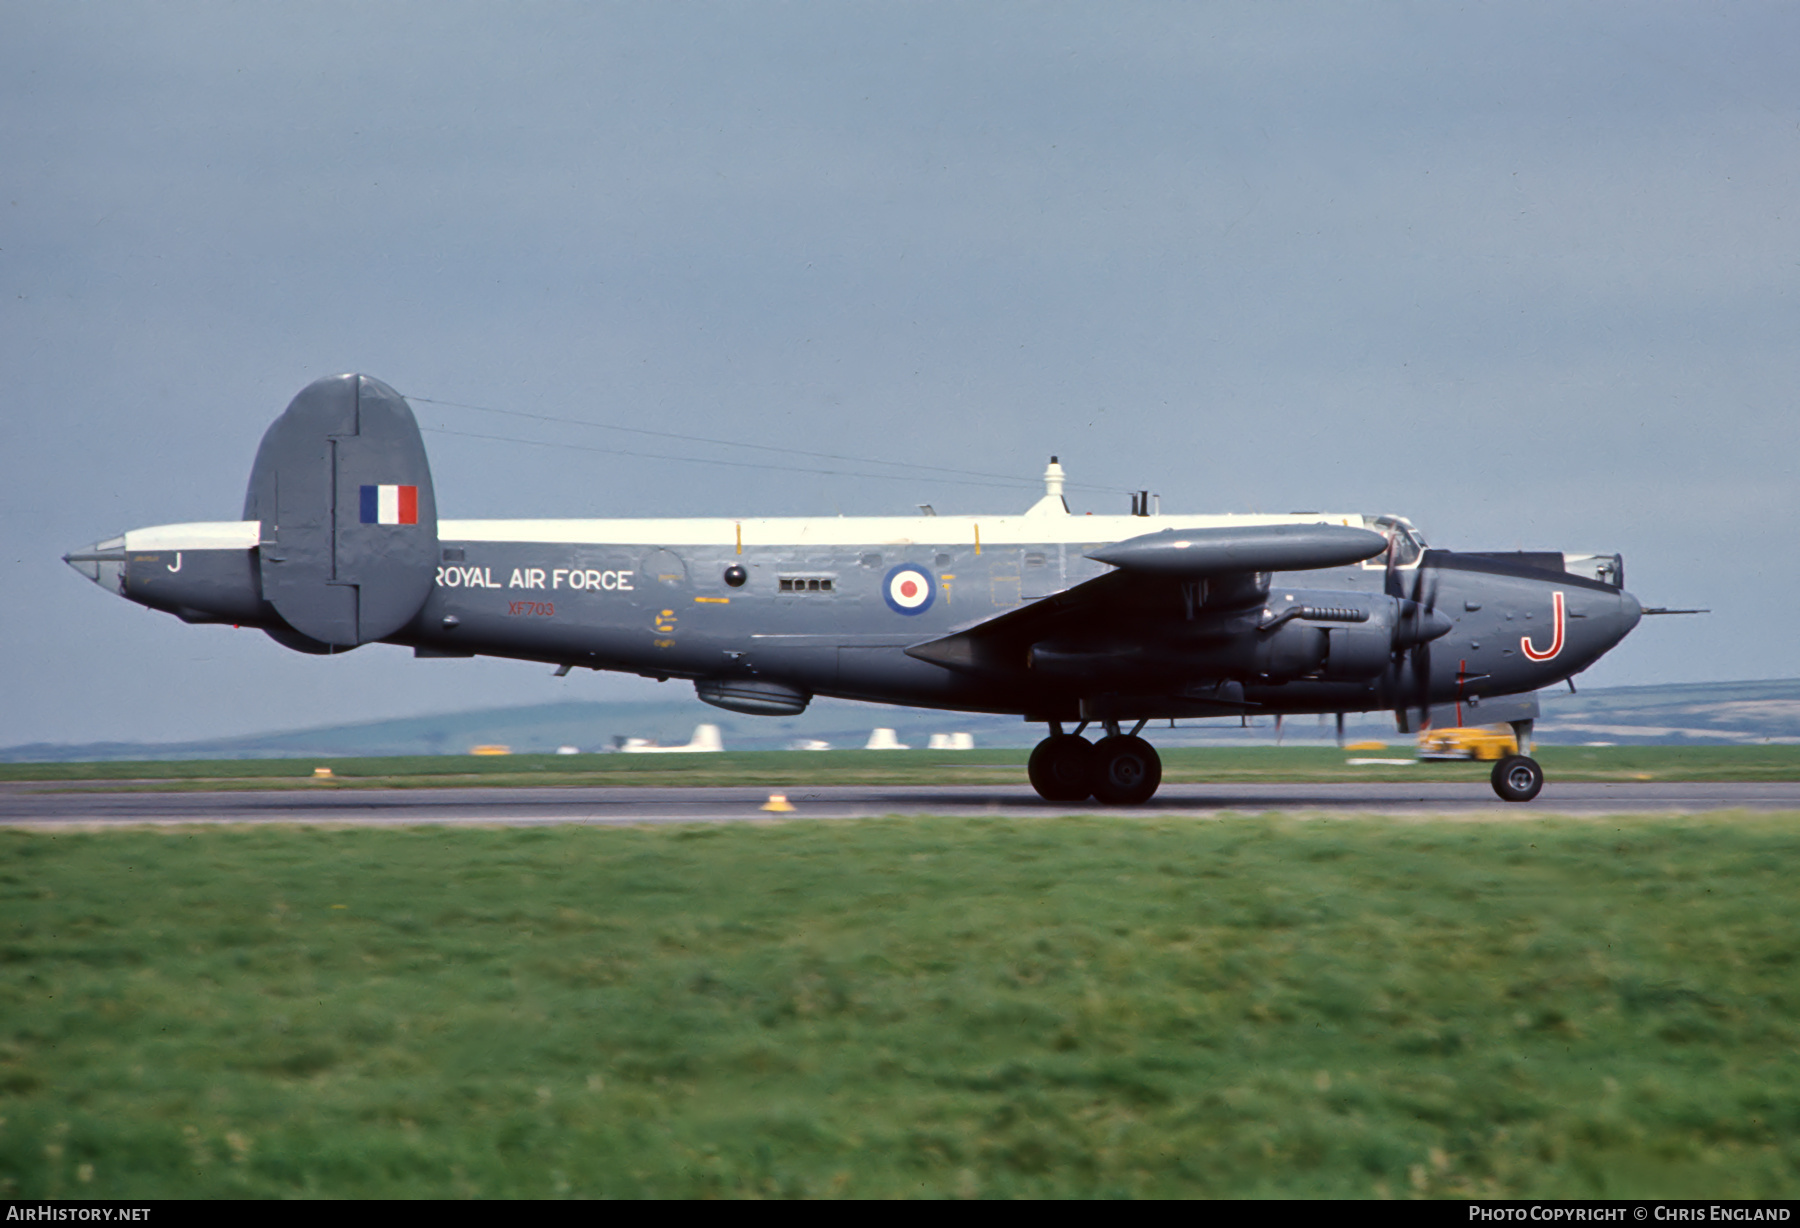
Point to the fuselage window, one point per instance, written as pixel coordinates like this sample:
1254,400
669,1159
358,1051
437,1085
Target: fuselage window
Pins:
806,584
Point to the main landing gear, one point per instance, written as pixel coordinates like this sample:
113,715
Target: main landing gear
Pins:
1120,770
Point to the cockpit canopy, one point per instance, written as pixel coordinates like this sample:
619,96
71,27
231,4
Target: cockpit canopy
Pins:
1404,543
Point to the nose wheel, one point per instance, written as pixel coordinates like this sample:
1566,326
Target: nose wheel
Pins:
1518,778
1120,770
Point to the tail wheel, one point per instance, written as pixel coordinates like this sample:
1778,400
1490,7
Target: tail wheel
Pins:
1518,778
1062,768
1127,771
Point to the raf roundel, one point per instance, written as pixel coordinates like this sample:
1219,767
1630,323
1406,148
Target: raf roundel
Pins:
908,590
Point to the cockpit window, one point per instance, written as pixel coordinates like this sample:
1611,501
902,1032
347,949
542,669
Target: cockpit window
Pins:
1404,543
1403,548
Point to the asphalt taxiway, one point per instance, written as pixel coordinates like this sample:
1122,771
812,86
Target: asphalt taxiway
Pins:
45,804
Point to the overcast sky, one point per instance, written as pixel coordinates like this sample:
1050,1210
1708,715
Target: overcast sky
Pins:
1525,274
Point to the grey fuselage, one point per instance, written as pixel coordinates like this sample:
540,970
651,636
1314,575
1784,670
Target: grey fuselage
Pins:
815,612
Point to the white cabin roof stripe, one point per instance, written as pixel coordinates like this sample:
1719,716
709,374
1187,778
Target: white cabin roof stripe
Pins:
719,533
872,531
208,535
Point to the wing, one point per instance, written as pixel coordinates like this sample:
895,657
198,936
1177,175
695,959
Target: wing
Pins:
1158,576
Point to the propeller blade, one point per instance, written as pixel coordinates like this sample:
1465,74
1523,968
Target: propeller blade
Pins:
1424,607
1425,587
1417,624
1421,666
1391,585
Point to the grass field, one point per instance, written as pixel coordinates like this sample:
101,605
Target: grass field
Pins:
901,1007
1181,765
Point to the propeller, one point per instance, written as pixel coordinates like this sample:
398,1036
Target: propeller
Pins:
1393,586
1422,615
1419,623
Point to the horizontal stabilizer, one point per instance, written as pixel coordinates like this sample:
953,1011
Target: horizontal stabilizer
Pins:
1251,548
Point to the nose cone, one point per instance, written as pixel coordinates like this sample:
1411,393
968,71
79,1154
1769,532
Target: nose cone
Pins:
1630,612
102,562
1607,621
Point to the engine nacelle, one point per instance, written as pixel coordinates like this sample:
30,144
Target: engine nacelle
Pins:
1294,651
1358,652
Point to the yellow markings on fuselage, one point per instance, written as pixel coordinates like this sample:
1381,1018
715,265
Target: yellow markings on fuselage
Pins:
713,600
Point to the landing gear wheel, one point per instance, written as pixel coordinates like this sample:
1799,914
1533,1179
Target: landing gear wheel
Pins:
1518,778
1126,771
1062,768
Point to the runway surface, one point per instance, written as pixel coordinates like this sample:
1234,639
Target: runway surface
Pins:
45,804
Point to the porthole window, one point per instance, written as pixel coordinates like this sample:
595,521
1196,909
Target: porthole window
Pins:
735,576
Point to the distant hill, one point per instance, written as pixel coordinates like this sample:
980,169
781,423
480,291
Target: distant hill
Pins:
1711,713
542,728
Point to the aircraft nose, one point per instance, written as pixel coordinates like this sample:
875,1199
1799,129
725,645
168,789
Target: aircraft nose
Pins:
103,563
1630,612
1608,623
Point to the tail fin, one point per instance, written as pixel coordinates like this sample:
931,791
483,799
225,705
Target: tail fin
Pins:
349,520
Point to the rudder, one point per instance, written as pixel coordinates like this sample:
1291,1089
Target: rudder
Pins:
342,487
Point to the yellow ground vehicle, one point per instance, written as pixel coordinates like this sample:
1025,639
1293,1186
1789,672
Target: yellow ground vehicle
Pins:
1483,743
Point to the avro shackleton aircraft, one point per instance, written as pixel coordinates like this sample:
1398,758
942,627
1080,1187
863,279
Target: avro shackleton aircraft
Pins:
1113,620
